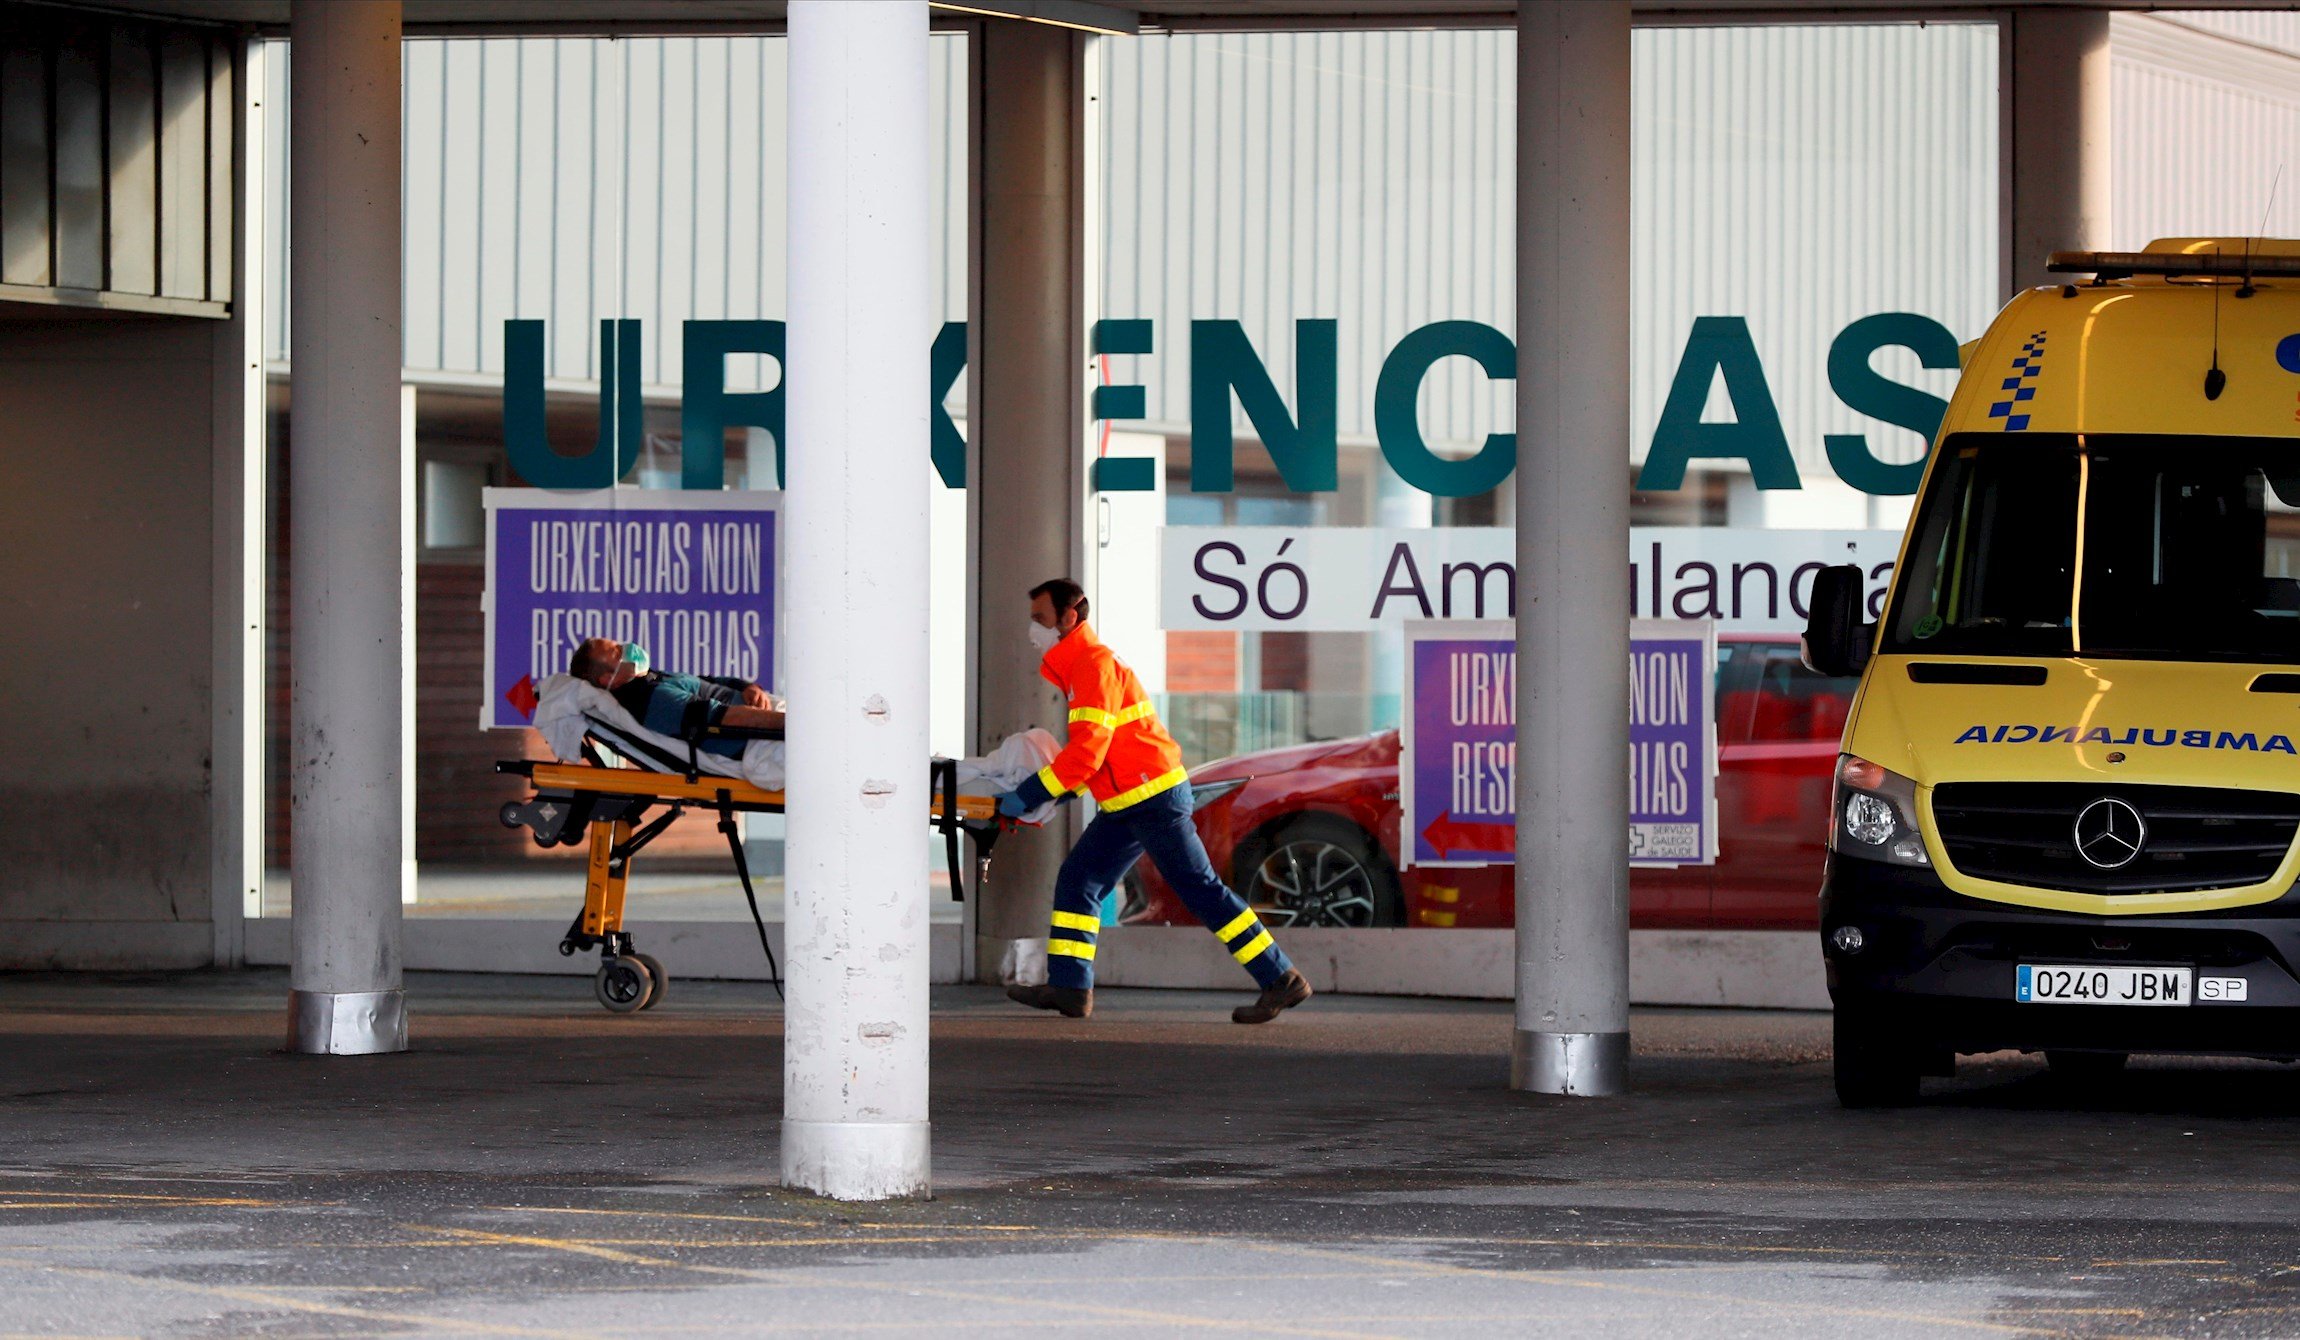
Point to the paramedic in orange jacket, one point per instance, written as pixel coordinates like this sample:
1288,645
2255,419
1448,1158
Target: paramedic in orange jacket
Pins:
1133,768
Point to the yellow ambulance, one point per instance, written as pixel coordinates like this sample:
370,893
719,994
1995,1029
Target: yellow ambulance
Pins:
2065,813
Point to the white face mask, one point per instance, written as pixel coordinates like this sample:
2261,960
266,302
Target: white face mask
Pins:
1043,637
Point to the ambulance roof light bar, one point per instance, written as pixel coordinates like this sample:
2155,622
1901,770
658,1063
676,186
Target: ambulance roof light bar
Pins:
2107,265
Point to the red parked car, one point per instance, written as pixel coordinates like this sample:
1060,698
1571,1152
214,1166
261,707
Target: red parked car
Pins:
1309,835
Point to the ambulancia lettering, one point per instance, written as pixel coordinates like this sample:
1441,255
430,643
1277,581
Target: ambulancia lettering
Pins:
2252,742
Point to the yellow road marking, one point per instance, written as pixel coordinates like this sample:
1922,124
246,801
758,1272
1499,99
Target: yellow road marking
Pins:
793,1278
57,1205
654,1214
667,1243
756,1219
146,1198
471,1235
272,1298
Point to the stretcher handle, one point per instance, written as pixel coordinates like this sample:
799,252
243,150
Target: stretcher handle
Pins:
943,773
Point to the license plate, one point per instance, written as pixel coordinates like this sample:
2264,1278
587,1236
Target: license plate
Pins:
2079,984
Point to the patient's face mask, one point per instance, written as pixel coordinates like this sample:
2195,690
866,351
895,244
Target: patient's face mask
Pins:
634,665
1043,637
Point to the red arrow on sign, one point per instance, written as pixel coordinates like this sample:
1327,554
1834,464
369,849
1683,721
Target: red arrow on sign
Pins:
1448,836
522,696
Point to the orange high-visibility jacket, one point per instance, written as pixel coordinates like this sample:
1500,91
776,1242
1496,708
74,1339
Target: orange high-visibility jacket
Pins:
1117,749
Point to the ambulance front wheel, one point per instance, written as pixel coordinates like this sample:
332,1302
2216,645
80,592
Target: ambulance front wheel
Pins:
624,984
1873,1067
662,980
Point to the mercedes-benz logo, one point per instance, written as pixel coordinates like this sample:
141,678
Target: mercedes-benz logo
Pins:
2109,833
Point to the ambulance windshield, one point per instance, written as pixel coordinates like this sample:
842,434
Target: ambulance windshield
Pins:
2120,547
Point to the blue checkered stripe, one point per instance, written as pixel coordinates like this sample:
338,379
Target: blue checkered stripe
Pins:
2020,387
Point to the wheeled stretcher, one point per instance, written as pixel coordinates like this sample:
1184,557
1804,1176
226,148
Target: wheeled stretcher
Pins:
608,807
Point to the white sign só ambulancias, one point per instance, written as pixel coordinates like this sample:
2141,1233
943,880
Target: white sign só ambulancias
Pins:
1356,579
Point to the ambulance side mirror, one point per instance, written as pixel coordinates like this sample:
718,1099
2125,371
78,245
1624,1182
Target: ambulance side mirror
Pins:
1837,638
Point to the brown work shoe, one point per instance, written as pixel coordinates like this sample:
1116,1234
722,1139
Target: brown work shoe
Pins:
1276,998
1069,1001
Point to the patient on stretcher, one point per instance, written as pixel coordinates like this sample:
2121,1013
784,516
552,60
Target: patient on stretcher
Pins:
676,705
613,696
659,721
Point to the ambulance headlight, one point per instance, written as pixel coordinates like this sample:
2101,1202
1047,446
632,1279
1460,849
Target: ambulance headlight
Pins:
1869,818
1875,814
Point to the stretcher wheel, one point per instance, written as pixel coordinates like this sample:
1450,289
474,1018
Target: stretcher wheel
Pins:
624,984
662,980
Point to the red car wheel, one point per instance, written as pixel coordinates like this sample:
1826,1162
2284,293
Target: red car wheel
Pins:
1321,871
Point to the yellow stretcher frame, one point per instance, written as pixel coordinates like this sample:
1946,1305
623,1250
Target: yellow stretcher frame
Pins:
603,806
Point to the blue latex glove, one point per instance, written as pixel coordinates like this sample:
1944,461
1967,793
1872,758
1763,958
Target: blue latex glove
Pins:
1011,805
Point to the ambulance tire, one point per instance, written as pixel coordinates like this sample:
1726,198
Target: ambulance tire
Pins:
1322,840
662,980
1873,1068
2083,1069
623,984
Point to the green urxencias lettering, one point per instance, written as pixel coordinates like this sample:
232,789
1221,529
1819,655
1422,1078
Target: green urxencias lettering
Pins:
1222,361
707,408
1224,366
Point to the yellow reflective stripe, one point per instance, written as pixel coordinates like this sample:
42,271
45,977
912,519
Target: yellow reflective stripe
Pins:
1113,720
1052,783
1077,921
1076,948
1246,952
1147,790
1237,924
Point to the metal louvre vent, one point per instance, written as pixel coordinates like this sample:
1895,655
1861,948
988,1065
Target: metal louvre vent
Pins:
2197,837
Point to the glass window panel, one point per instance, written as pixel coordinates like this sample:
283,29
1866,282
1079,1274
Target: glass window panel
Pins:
1367,179
572,181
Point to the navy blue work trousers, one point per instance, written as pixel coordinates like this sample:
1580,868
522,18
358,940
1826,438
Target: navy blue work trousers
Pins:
1112,843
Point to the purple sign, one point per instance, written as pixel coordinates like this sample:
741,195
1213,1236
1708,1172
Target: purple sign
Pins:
1458,763
688,576
1669,781
1464,757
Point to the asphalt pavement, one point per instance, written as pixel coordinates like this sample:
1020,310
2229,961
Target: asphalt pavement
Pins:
534,1166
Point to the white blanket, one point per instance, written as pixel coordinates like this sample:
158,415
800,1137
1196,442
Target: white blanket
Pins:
1017,758
570,709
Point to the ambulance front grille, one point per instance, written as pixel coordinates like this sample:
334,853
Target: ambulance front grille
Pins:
2198,837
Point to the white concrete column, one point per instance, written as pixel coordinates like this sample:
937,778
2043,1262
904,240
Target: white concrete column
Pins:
1572,529
348,484
2057,160
855,1026
1026,408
